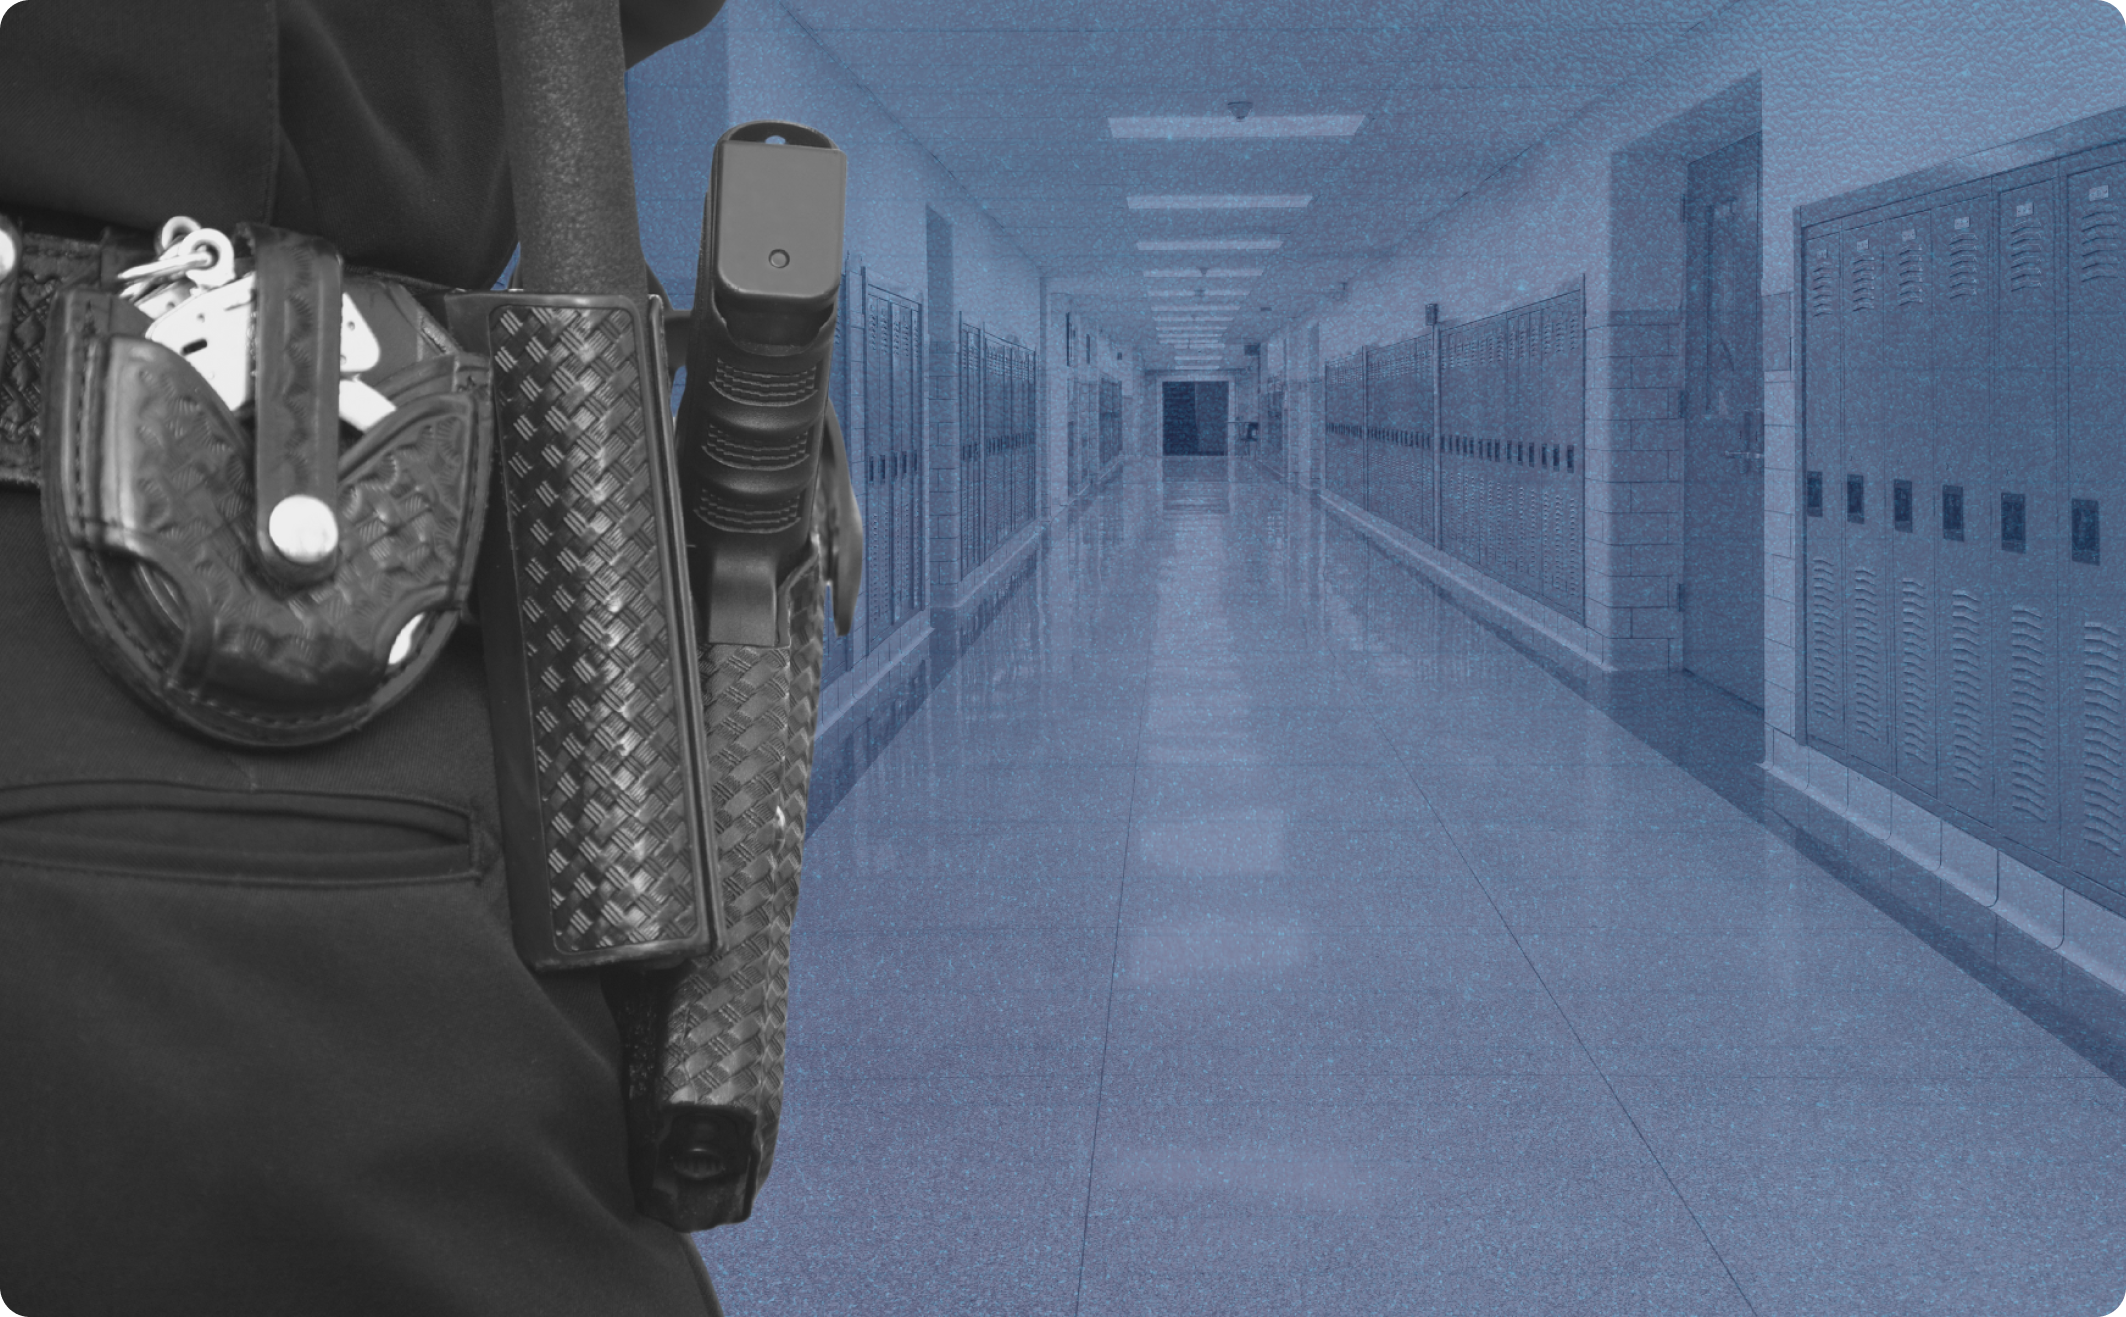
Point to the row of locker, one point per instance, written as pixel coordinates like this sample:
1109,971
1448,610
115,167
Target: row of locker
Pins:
877,392
1081,430
998,459
1468,438
1110,422
1964,381
1093,430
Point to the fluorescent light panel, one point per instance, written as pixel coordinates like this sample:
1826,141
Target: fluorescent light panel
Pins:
1190,292
1204,272
1210,244
1224,127
1219,201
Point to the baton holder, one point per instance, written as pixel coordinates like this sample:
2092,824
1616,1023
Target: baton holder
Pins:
589,636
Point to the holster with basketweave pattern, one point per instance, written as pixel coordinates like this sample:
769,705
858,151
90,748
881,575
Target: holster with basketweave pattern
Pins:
589,636
157,498
767,506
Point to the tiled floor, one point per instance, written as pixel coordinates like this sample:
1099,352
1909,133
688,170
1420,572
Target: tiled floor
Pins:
1239,928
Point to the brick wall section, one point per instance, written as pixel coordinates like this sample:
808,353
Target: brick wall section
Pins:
1635,486
1782,526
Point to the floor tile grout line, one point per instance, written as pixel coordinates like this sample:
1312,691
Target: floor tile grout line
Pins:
1107,1026
1578,1040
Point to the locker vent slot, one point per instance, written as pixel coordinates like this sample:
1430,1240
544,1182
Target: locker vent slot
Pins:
2028,714
1823,283
2098,239
1869,705
2026,253
1963,264
1822,641
1965,751
1915,684
1861,290
1911,274
2103,745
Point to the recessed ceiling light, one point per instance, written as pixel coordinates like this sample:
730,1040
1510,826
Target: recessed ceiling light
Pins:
1219,201
1200,127
1210,244
1204,272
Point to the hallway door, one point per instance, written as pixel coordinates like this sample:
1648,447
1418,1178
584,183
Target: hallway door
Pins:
1194,419
1178,412
1210,418
1723,343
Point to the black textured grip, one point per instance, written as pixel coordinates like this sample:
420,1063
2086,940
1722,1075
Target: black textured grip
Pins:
590,647
750,447
708,1098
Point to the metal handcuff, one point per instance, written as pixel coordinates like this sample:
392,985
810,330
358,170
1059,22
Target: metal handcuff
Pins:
201,309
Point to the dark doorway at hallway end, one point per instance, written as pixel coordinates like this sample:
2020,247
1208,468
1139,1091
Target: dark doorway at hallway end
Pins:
1193,418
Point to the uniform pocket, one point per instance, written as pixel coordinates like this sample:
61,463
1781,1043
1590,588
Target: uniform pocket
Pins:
205,834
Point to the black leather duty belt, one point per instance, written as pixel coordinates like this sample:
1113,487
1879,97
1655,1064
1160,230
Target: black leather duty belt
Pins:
34,268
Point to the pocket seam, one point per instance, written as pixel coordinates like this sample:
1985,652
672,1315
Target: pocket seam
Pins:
458,831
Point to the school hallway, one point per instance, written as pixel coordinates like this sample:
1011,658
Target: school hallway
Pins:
1239,925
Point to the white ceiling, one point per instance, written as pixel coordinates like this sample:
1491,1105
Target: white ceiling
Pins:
1013,99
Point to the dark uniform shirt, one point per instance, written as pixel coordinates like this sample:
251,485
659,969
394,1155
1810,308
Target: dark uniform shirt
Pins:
377,125
265,1043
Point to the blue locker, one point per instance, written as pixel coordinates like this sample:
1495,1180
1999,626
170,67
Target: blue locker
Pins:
1864,496
1823,461
1911,329
2093,595
2018,513
1963,428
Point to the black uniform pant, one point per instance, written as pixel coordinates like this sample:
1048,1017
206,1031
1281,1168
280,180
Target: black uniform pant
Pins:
265,1045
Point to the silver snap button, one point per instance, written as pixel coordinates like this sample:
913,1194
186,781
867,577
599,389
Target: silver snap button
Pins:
402,648
303,529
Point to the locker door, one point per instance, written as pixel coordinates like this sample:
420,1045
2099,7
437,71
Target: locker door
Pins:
886,425
1572,412
2093,594
970,449
878,468
1368,433
1910,340
1962,428
1395,484
1823,520
1424,521
1512,538
908,395
996,403
2024,623
1864,499
1455,420
1385,400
